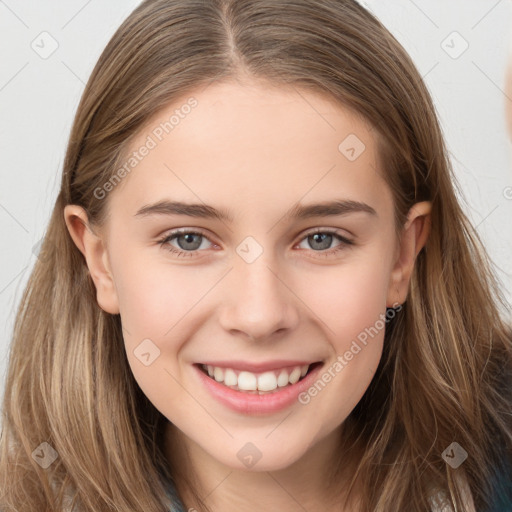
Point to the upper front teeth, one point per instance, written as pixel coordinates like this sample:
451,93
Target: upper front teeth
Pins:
248,381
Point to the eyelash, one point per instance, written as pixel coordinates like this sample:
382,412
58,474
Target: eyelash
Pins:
164,242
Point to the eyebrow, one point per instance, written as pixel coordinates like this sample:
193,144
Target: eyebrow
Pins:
325,209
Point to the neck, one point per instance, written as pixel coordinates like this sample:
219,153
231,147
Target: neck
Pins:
303,484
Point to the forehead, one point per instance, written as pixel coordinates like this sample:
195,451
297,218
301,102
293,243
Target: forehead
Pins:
252,147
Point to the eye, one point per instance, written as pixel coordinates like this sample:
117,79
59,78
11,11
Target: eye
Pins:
190,241
321,239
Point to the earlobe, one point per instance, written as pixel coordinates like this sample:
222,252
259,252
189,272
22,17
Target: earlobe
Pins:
414,237
93,248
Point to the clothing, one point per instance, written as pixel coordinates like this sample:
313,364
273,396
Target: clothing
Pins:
503,490
177,505
502,503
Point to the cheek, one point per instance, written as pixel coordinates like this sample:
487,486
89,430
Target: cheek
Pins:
352,295
154,300
351,303
154,295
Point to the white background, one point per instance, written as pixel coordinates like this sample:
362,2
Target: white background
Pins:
38,99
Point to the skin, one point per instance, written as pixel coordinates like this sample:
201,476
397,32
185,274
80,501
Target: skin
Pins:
256,151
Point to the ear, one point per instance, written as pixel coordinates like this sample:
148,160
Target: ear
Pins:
94,250
414,236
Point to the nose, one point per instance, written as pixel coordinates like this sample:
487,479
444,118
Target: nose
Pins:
260,303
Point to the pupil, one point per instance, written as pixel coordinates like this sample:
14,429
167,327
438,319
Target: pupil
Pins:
189,239
321,237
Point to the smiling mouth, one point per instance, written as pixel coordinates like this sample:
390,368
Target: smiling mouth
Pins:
258,383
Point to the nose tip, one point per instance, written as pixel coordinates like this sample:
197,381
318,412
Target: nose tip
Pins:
259,304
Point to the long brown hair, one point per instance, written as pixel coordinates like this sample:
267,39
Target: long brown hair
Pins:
447,354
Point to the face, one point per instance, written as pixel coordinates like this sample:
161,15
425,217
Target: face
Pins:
272,284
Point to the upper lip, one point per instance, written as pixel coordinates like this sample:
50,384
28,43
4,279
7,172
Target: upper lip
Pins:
262,366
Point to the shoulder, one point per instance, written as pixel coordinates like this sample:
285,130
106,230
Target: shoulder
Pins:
503,489
502,499
439,501
177,505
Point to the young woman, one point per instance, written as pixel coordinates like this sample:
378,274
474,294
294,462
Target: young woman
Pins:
257,290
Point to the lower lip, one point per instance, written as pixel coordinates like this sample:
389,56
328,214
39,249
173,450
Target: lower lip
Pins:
248,403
